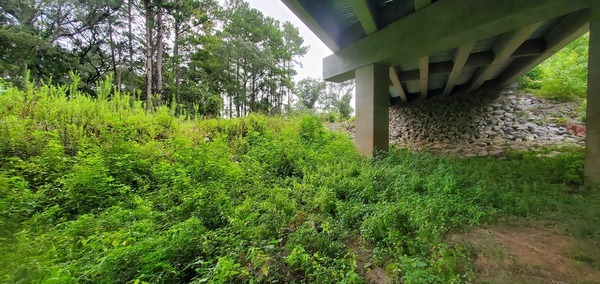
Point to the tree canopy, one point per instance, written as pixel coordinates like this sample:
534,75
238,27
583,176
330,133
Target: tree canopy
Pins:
210,58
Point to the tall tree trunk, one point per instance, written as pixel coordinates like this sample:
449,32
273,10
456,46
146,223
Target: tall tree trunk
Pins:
113,55
230,106
119,69
159,53
245,98
25,71
130,38
148,55
176,58
237,82
253,95
289,92
281,90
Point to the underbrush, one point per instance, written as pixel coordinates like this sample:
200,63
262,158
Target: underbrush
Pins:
562,77
96,190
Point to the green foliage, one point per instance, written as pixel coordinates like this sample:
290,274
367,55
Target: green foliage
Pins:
96,190
583,110
532,81
224,55
344,107
311,129
49,38
309,90
322,269
562,77
255,62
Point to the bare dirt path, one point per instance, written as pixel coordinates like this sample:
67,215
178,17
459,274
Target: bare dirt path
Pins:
535,254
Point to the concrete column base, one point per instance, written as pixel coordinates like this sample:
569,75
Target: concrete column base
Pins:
372,109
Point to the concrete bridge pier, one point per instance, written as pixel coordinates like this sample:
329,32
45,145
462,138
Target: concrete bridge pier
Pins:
447,48
372,109
592,143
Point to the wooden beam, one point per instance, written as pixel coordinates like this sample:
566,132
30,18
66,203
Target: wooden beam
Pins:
424,69
530,48
420,4
299,10
568,29
502,52
460,59
397,84
474,60
480,59
450,23
365,13
434,68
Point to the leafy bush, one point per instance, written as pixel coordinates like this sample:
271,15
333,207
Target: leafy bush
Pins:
532,81
562,77
311,129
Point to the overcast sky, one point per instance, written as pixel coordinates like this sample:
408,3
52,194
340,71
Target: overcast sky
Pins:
312,62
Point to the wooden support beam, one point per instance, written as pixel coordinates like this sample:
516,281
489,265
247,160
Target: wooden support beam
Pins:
397,84
507,45
530,48
420,4
434,68
480,59
300,11
449,23
365,12
424,70
568,29
474,60
460,59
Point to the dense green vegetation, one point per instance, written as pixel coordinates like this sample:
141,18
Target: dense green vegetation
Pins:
97,190
563,76
136,179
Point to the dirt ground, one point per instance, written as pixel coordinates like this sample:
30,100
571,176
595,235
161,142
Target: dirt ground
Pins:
372,274
508,254
526,255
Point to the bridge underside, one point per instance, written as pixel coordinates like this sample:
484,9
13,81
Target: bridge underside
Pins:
400,51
